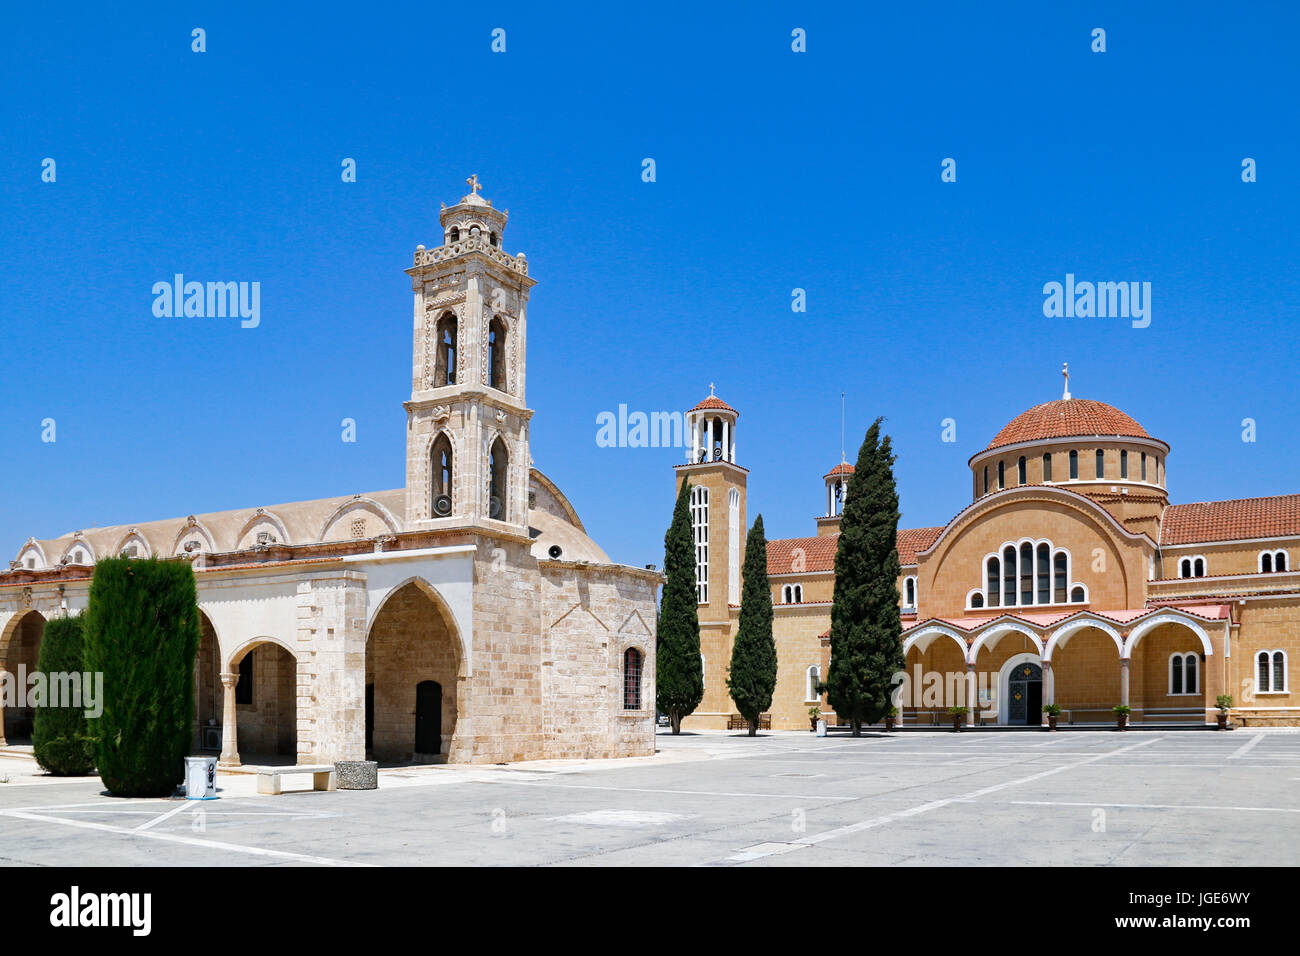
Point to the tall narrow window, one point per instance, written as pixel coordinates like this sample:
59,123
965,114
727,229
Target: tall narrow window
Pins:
497,354
909,592
1279,672
498,470
1185,568
1060,573
1266,562
1008,576
700,525
1044,574
440,469
631,679
1026,573
986,479
1021,472
1198,568
1001,475
1047,467
1176,674
1123,463
1264,672
994,573
798,594
445,369
1144,466
1074,464
1190,685
813,677
1279,563
1101,463
734,531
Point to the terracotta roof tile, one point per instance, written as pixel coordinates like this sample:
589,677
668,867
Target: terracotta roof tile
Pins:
793,555
714,402
1066,418
841,469
1237,519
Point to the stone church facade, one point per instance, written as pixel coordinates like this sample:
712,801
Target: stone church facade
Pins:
1070,579
464,617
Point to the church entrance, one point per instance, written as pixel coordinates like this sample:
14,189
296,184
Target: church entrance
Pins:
1025,695
428,717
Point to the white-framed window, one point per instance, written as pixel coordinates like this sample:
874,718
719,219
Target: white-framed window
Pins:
735,531
812,677
909,591
1079,594
1270,561
1193,567
1027,573
1184,673
792,594
700,525
1270,672
975,598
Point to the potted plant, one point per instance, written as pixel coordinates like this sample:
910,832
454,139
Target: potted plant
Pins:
958,714
1224,701
1121,715
814,715
1053,712
891,718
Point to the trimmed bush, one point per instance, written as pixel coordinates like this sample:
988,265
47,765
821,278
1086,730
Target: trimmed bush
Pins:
61,737
142,632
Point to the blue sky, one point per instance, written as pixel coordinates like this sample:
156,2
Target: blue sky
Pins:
775,170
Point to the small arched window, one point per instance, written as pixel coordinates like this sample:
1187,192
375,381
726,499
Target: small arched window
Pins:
1077,596
1022,473
909,592
445,367
1123,463
631,679
440,474
798,594
1198,568
1266,563
812,678
1270,561
498,469
492,238
1185,568
1101,463
1183,673
1002,483
454,234
976,600
1074,464
497,354
1279,561
1047,467
787,594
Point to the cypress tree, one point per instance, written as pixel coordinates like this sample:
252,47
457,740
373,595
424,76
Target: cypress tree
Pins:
142,632
679,672
866,625
752,676
61,735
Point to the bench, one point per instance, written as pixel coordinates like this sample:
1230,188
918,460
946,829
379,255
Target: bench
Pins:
737,722
268,780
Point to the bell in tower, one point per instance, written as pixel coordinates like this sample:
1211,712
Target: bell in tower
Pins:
467,455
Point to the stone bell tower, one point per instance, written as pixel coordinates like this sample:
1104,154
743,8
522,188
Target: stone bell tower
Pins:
467,458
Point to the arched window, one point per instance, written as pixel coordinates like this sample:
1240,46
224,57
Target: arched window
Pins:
1198,567
812,677
700,527
1270,672
492,238
1043,571
798,594
1022,476
1101,463
1183,673
1026,573
909,591
995,572
1074,464
1185,568
498,470
440,470
1060,573
497,354
986,479
1279,561
1008,576
445,367
976,599
1266,563
1047,467
1001,475
1144,466
1270,561
1077,596
1123,463
631,679
454,235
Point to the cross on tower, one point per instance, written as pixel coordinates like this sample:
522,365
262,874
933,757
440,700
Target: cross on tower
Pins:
710,388
1065,370
474,185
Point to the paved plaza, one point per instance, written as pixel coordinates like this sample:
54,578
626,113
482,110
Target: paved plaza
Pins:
783,799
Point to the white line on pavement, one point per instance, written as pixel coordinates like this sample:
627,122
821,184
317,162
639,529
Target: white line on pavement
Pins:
1246,747
1153,806
689,793
149,824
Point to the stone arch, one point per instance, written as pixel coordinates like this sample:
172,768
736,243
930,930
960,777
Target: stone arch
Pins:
361,503
1151,623
144,549
207,686
33,549
81,544
266,707
193,530
261,520
415,672
20,644
931,631
1062,633
990,636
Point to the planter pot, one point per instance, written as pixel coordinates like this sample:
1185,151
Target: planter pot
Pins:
889,724
1121,721
812,725
1051,721
1223,721
956,725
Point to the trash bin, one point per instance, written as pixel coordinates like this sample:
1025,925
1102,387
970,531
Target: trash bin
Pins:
821,728
200,778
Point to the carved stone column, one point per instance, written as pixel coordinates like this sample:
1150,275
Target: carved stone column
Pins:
229,737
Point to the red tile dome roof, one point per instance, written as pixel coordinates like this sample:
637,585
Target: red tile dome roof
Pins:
840,469
1067,418
714,402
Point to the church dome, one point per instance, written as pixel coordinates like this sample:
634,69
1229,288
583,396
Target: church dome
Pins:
840,469
1067,418
712,403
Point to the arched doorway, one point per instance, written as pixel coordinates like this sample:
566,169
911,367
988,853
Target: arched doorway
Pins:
412,666
20,647
266,704
1020,692
207,689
